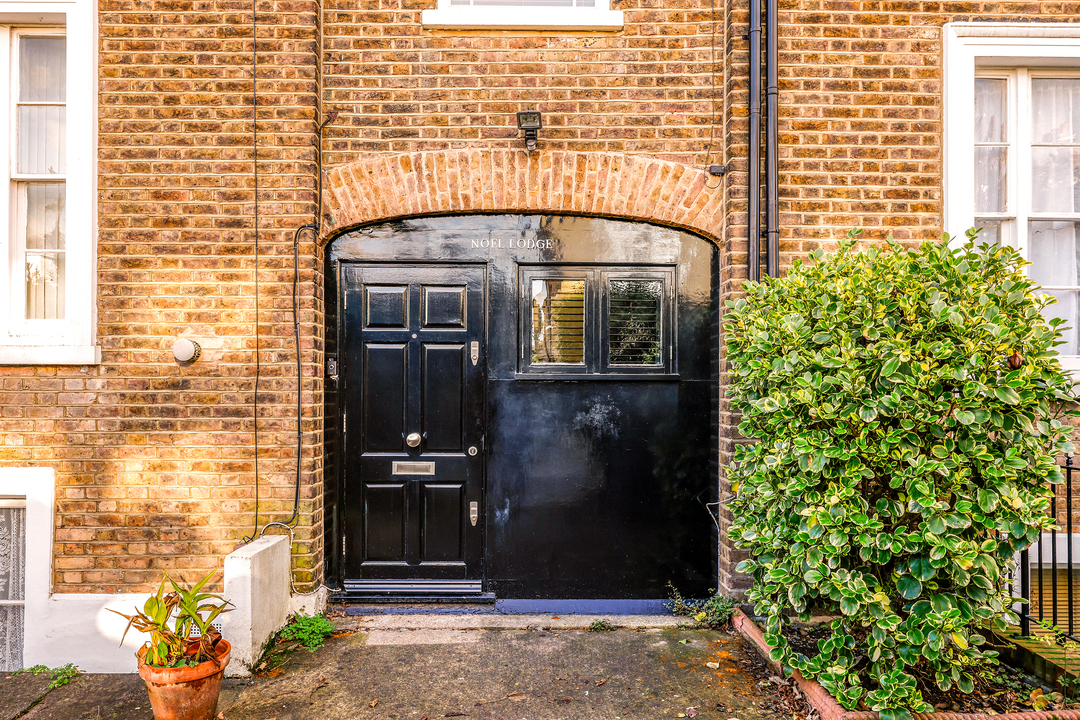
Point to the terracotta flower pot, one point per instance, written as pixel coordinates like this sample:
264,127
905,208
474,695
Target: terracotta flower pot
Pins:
185,693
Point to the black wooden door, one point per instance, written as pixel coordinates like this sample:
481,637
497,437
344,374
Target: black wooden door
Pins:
414,379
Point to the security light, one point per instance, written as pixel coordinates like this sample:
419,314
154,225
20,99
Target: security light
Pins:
529,121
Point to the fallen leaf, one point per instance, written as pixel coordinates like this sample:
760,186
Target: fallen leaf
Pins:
455,714
682,642
681,715
373,703
517,696
600,682
554,617
713,665
276,672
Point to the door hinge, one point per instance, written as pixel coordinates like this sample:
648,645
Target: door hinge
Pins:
331,365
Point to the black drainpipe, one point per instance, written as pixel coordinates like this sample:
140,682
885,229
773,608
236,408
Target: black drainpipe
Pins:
772,141
753,211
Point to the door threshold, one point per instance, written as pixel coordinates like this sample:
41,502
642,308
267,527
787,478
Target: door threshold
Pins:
355,602
427,591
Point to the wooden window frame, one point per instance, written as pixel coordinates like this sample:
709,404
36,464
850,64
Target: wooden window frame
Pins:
597,280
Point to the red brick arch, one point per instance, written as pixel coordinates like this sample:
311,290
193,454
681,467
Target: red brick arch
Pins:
383,187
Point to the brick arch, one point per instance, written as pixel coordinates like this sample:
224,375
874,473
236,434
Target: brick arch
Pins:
383,187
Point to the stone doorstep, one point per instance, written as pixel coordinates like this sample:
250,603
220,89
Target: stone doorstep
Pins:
829,709
423,621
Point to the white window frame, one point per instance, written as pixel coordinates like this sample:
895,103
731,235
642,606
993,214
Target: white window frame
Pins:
517,17
72,340
1015,51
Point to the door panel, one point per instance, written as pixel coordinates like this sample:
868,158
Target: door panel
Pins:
443,373
443,530
413,408
385,407
385,538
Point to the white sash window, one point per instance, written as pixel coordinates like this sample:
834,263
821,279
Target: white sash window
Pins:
47,222
1013,152
523,15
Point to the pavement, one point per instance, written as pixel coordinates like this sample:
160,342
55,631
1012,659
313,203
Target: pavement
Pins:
477,667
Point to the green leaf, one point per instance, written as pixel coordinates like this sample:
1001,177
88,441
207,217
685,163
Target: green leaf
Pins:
987,500
909,587
935,524
964,417
849,606
1006,394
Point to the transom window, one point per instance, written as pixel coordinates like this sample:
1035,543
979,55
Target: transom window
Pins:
1027,178
597,320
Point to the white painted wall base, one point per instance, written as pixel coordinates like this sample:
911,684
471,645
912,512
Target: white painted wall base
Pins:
309,603
79,627
257,584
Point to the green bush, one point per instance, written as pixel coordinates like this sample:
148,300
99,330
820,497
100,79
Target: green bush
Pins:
904,407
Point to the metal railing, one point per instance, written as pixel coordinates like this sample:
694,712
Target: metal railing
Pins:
1045,606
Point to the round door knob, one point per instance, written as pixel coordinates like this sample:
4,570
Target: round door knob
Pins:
413,439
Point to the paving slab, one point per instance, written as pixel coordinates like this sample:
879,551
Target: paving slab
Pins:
18,691
417,673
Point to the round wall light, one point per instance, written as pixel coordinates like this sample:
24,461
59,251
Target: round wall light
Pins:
186,351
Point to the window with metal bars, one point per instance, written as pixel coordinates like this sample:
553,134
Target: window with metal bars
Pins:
615,320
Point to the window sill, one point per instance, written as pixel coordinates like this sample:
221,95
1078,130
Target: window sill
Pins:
50,354
521,18
602,377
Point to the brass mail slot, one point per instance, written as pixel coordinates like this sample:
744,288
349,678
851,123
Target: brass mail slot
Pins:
414,468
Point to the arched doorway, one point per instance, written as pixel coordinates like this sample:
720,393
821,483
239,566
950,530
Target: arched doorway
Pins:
523,406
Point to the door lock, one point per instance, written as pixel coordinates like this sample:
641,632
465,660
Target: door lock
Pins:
413,439
474,513
474,351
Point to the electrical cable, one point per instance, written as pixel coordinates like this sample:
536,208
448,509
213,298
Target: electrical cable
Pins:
712,103
255,174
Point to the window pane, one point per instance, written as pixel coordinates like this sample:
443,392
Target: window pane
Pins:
634,322
12,585
1054,253
558,321
1066,308
1055,263
990,168
1055,172
42,69
45,277
45,216
42,139
989,231
990,115
1055,109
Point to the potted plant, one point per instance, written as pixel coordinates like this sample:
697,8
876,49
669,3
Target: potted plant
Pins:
184,661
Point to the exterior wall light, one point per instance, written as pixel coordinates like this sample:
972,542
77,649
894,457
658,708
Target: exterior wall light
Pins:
186,351
529,121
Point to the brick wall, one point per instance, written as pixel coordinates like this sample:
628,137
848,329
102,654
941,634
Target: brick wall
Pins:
156,461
